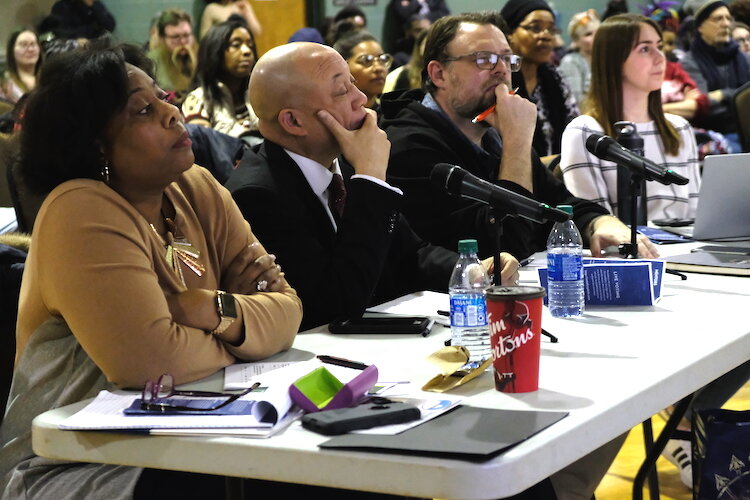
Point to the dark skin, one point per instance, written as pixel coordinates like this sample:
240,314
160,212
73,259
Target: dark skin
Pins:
148,148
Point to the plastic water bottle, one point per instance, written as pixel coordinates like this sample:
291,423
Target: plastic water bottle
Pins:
468,303
565,288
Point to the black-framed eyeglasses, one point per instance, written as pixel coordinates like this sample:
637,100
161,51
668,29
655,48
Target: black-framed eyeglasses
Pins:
488,60
538,28
368,60
183,37
154,394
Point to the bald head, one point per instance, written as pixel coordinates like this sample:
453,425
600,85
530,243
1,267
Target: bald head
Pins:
285,76
291,84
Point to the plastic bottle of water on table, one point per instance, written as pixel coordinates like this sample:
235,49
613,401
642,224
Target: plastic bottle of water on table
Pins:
468,303
565,287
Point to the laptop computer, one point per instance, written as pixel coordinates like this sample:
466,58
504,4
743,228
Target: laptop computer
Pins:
724,203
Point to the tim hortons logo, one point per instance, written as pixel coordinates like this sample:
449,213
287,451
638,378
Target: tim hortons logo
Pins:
511,339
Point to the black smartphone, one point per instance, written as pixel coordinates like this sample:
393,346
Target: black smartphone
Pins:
374,323
365,416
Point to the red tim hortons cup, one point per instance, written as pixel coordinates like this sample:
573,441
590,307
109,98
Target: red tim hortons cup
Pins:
514,314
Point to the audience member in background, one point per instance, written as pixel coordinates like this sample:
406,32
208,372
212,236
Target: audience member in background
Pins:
532,33
576,64
153,34
226,57
175,56
408,76
740,10
218,11
627,74
306,34
107,299
79,19
405,11
317,130
679,93
432,9
615,7
353,14
402,49
367,62
469,64
23,60
718,66
741,35
348,19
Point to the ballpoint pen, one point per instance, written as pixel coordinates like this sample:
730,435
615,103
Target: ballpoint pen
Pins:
487,112
347,363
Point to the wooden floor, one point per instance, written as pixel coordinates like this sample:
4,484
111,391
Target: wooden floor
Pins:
618,483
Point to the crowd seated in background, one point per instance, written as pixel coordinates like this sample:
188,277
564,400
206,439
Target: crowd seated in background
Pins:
176,54
226,58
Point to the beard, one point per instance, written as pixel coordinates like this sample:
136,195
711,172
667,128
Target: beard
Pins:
184,59
468,106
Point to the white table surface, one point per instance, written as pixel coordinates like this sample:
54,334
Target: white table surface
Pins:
611,370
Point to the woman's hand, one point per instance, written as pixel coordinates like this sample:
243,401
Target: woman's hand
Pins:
253,271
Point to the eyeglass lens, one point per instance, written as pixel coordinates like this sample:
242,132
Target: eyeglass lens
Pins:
368,60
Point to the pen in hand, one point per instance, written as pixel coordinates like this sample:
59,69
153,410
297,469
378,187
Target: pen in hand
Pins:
487,112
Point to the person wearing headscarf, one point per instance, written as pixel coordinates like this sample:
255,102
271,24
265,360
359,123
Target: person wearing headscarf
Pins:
531,24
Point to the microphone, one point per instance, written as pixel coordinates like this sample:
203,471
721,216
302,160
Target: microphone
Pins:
606,148
456,180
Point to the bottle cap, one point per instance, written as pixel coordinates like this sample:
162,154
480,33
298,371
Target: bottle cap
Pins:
467,246
568,209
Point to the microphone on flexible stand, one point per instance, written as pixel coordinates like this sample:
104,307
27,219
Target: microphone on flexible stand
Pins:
456,180
504,202
606,148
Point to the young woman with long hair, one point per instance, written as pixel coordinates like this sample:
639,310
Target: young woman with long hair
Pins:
627,49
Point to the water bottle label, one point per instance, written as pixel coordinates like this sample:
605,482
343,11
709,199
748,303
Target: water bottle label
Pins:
564,267
468,310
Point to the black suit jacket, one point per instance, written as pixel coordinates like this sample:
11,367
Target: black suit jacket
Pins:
374,256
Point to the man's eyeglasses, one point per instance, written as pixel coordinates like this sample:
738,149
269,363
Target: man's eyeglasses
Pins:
368,60
488,60
538,29
154,394
184,37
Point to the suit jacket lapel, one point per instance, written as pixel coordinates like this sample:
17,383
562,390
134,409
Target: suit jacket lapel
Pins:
295,182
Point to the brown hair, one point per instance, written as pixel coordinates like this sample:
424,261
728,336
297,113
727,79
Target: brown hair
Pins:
444,30
613,42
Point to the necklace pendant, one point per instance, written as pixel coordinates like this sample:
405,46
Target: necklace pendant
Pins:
190,262
169,256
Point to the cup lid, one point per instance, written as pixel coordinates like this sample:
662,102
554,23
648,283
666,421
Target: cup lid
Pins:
502,293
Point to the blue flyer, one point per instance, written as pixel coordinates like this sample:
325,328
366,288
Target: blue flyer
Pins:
619,282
